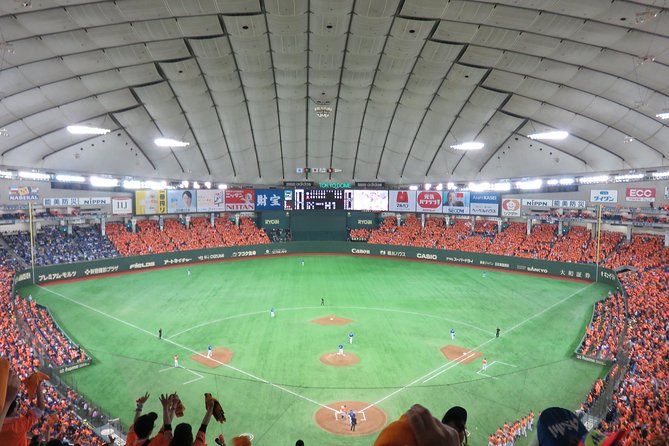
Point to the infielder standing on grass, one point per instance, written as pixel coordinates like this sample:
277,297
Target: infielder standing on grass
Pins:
350,337
209,351
271,312
485,364
176,360
452,333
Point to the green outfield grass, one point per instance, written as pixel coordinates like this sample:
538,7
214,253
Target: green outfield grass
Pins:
402,312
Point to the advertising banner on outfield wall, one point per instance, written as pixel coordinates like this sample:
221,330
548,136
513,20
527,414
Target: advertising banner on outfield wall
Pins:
269,199
456,202
150,202
121,205
23,193
484,203
239,200
180,200
76,201
640,194
210,200
428,201
553,203
366,200
402,200
604,196
511,207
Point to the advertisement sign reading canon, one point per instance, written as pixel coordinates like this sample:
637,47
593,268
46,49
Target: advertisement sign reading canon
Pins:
511,207
640,194
428,201
604,196
402,200
484,203
456,202
239,200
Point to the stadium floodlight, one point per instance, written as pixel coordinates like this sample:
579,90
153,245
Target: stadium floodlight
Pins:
427,186
552,182
86,130
451,186
628,177
440,186
70,178
663,115
473,145
34,176
413,187
501,187
595,179
222,186
207,184
185,184
155,185
661,174
529,184
567,181
479,187
6,174
557,135
132,184
168,142
103,182
196,185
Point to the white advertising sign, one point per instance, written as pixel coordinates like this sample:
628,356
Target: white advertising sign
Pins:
121,205
511,207
603,196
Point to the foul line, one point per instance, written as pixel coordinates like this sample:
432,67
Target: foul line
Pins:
453,363
176,344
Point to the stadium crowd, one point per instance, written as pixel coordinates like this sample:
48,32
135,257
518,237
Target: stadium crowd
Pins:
53,245
639,402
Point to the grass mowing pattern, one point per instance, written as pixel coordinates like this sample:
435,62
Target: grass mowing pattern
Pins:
402,313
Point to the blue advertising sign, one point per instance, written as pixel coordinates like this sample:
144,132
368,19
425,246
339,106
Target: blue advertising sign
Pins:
269,199
484,203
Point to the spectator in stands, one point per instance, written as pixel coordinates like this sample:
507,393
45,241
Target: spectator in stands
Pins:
15,427
417,427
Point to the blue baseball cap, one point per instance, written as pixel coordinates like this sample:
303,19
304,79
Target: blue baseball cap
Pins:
559,427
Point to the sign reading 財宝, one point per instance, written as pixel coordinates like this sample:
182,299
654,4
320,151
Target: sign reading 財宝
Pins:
269,199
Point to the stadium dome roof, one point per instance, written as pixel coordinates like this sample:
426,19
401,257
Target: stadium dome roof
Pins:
401,81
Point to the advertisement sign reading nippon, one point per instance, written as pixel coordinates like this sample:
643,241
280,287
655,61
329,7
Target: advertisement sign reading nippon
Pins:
269,199
210,200
456,202
484,203
544,203
603,196
402,200
511,207
640,194
428,201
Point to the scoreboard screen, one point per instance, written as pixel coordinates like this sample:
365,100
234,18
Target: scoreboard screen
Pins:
324,199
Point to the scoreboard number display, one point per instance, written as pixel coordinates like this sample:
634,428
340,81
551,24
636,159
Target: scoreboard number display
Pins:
318,199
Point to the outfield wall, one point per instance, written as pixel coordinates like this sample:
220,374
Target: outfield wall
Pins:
586,272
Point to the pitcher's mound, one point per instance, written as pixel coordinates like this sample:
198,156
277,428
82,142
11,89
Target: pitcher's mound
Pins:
460,354
219,356
369,421
332,320
340,360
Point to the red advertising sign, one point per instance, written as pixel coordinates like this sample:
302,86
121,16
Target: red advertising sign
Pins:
640,194
510,207
429,201
239,200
